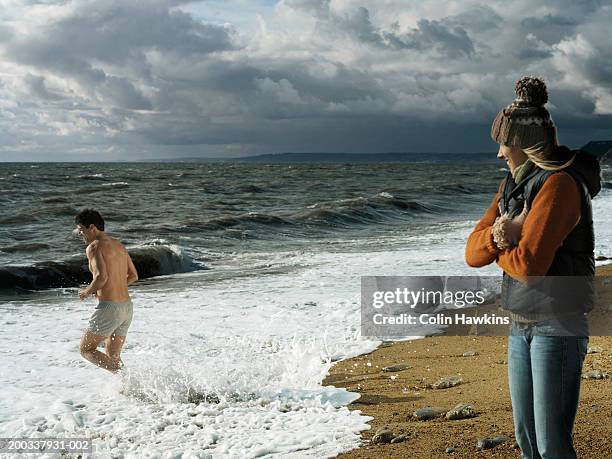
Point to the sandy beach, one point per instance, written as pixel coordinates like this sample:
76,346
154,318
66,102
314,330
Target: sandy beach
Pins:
391,397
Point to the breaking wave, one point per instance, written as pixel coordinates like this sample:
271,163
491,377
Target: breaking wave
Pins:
150,259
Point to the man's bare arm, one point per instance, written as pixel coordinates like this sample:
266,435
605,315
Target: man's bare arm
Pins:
132,275
98,269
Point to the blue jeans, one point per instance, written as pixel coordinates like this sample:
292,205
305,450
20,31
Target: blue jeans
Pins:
544,374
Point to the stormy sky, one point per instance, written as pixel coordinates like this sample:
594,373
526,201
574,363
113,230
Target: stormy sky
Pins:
114,79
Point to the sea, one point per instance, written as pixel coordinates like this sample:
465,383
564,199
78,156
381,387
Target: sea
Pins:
249,292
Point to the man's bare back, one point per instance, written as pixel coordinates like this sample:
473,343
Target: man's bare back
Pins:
109,262
113,270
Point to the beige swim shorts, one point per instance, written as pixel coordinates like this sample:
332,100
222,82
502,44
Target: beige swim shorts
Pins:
111,317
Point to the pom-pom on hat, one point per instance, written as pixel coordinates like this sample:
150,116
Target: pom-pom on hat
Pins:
525,122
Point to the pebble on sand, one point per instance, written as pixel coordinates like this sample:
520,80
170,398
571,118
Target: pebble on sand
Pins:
400,438
595,374
461,411
488,443
383,435
469,354
397,367
429,412
594,350
449,381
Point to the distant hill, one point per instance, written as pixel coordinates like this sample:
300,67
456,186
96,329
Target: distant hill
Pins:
366,157
393,157
599,148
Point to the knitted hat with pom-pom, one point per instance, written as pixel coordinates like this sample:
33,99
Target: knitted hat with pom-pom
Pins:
525,122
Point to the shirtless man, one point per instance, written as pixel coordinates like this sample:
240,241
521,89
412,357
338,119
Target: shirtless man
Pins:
112,270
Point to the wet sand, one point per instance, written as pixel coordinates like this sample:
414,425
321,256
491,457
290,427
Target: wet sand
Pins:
392,397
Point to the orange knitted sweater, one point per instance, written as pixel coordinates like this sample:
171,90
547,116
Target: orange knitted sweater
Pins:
555,211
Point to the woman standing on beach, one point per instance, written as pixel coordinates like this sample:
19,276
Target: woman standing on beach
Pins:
540,224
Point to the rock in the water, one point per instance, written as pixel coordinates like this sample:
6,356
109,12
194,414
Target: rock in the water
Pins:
595,374
400,438
383,435
461,411
429,412
450,449
397,367
447,382
488,443
197,397
594,349
469,354
601,258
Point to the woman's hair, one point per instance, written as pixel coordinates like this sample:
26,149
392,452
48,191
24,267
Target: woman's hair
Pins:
542,154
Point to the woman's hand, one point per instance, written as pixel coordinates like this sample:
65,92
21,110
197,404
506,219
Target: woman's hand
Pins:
506,231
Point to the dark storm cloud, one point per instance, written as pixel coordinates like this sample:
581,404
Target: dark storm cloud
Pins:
116,33
117,77
527,54
476,18
317,8
37,87
452,41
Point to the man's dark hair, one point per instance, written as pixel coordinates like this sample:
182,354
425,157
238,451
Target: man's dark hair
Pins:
88,217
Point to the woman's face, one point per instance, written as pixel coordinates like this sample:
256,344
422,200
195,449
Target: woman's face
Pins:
513,156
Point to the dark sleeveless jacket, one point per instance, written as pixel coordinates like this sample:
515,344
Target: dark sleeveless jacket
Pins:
567,287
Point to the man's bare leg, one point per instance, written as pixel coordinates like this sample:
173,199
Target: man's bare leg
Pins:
112,346
89,350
